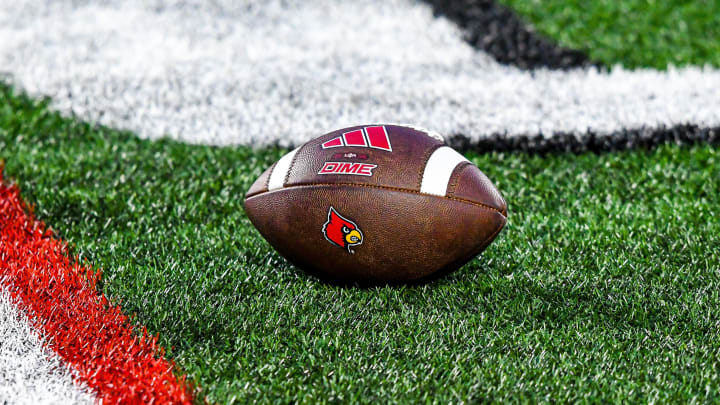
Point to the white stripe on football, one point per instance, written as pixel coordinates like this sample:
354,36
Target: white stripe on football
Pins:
279,173
438,170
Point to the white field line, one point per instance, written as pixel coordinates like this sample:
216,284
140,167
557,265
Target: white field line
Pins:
30,373
247,72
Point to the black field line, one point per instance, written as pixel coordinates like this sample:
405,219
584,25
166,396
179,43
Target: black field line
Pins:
499,31
229,74
647,138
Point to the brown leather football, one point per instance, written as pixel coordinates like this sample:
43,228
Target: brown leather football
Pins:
376,204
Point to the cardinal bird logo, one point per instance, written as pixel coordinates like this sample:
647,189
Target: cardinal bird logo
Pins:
341,231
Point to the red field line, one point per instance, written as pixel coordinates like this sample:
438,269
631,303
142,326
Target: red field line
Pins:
119,362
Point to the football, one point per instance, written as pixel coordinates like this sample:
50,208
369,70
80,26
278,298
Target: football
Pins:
376,204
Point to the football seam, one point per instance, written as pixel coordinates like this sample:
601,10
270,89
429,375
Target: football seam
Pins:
292,163
391,188
267,181
452,186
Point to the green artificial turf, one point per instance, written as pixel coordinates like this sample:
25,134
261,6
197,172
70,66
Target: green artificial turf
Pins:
634,33
605,285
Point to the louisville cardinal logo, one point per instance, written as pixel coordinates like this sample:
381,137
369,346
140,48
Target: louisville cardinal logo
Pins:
341,231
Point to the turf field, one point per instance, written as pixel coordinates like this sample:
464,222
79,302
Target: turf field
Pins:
604,285
634,33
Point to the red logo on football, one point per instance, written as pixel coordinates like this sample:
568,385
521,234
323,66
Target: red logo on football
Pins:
375,137
341,231
358,169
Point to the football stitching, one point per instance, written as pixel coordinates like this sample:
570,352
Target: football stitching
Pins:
267,181
404,190
453,184
292,163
